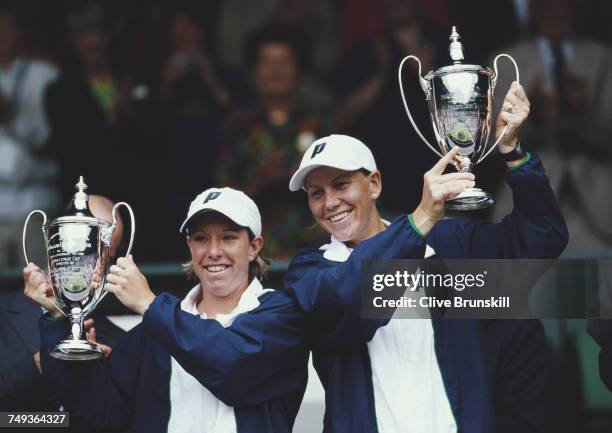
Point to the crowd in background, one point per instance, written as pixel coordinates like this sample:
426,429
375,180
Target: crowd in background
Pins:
154,101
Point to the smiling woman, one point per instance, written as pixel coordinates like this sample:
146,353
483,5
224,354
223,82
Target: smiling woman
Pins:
400,375
225,257
343,203
230,357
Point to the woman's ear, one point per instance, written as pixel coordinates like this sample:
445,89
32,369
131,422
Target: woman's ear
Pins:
375,179
255,247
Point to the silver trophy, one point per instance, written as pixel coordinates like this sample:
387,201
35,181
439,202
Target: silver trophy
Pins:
460,101
78,253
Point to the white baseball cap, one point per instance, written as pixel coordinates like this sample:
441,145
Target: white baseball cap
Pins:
232,203
337,151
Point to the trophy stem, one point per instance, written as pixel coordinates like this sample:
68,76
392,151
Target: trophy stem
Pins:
76,324
75,348
465,165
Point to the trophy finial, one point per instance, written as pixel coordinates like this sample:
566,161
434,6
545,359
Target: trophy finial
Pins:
79,202
81,186
456,47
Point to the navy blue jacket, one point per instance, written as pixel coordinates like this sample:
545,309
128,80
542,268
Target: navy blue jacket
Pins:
520,372
258,365
534,229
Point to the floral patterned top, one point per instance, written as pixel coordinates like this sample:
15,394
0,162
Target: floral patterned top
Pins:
259,158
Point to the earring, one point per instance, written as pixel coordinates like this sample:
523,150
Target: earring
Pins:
251,258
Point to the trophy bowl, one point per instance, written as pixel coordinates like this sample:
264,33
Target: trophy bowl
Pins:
78,259
460,110
460,100
78,256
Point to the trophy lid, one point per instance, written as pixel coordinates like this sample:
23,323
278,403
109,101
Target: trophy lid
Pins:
80,201
456,48
79,209
456,54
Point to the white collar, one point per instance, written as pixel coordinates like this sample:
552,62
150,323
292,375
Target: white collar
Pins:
249,300
338,251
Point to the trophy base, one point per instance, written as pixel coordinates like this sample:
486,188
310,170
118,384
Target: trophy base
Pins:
76,350
470,199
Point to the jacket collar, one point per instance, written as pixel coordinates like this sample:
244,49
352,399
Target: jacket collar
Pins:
249,300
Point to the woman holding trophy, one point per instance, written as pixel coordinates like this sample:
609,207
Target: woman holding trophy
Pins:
199,364
410,375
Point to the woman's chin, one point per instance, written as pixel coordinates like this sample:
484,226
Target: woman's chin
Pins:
218,291
345,235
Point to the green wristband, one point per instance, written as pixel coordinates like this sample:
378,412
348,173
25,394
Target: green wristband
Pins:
414,227
522,163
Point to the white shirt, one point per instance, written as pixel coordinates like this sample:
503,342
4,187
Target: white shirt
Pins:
409,395
26,179
193,408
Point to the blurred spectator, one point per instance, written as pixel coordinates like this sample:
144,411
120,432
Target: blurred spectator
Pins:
135,46
313,18
135,61
195,97
189,67
103,111
569,82
315,21
84,105
263,144
236,20
28,170
370,103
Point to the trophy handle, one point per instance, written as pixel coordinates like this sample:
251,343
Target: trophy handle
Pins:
25,229
133,229
132,223
426,88
23,244
493,84
495,75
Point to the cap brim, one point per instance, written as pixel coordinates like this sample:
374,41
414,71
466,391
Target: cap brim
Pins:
207,210
297,180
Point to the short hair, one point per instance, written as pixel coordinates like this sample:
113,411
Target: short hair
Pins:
277,33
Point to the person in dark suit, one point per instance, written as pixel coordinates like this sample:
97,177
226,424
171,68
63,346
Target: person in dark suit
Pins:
21,382
21,385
